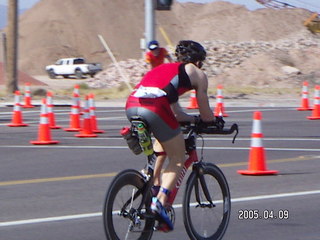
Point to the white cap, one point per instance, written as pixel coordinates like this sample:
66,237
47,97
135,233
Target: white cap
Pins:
153,47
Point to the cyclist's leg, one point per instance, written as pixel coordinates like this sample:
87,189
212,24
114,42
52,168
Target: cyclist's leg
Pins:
169,179
161,157
176,154
157,169
166,129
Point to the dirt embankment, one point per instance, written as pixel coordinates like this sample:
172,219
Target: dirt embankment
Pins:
244,47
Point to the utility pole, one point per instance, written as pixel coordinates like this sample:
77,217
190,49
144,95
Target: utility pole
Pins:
12,47
4,56
150,7
149,21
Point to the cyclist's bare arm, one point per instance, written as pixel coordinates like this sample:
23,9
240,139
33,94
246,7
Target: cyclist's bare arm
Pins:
200,82
180,115
169,58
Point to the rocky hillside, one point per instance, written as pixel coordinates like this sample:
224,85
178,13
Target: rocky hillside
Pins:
64,28
244,47
282,63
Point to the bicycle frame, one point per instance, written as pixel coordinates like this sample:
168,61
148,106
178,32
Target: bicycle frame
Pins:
205,186
191,151
193,158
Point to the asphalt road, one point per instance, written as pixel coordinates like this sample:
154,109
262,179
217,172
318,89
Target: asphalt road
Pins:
57,191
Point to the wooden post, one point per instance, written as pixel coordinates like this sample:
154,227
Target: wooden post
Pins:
12,47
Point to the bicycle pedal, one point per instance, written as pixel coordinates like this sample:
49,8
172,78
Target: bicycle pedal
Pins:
162,227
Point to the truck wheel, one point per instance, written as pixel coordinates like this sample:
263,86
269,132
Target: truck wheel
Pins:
78,74
51,74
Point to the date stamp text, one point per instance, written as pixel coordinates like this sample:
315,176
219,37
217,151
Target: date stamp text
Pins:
255,214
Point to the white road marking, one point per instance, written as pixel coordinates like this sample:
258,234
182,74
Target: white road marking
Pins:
99,214
126,147
210,138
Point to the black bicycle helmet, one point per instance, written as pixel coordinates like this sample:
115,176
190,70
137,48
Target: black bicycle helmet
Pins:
190,52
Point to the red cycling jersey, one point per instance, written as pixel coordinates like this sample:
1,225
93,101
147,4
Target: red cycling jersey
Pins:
156,60
173,80
170,77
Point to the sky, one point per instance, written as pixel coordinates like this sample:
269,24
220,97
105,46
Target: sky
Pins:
22,3
312,5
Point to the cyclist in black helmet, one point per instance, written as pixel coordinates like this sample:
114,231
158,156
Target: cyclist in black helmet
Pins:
190,52
155,99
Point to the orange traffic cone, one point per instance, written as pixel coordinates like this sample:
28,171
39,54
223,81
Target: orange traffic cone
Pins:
316,104
86,131
74,115
304,98
51,116
27,97
17,114
219,108
193,100
44,135
76,90
93,119
257,159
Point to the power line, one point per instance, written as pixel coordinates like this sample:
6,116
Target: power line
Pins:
275,4
306,3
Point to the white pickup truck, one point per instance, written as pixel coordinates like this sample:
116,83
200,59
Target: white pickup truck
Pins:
72,66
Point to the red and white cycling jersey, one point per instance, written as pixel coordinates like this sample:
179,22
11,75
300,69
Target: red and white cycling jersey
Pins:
158,89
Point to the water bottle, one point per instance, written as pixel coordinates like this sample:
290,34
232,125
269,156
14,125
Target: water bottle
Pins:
145,140
132,141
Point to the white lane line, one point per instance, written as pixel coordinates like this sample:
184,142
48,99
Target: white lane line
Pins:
99,214
67,120
267,109
266,148
67,111
126,147
62,147
273,196
49,219
209,139
264,139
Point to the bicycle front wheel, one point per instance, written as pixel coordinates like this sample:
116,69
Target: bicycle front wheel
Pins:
206,203
125,216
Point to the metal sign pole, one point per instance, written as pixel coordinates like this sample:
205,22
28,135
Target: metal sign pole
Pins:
149,21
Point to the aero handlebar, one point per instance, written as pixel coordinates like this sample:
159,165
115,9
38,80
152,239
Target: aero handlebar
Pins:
224,131
187,128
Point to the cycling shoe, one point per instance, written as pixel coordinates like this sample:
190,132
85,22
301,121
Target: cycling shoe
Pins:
165,222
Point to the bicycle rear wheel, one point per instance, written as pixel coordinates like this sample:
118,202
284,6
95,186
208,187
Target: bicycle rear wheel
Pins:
122,218
203,219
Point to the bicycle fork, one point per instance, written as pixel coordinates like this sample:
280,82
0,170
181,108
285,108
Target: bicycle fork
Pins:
199,170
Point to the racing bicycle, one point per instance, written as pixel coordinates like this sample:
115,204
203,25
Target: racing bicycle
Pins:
206,202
